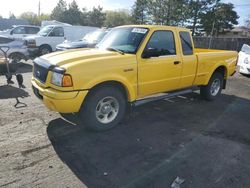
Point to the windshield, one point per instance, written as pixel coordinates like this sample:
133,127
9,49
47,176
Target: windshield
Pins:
124,39
95,36
45,31
245,48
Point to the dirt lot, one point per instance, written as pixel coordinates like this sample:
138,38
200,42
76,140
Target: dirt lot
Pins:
205,143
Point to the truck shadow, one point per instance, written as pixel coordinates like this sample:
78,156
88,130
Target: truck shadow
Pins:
8,92
153,133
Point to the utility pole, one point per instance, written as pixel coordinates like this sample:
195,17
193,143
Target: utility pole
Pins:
39,8
211,36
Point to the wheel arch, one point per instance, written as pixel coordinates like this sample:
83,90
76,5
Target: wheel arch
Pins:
47,45
19,53
221,69
123,87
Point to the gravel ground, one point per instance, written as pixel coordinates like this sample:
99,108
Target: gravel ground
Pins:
207,144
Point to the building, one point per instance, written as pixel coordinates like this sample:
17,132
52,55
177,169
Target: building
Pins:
237,32
8,23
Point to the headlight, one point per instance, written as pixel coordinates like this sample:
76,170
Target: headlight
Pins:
62,80
246,60
56,79
31,43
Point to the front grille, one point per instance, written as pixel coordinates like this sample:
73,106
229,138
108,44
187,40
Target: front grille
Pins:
41,70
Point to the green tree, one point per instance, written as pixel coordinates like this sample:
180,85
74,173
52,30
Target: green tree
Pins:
220,17
12,16
167,12
33,18
96,17
73,14
117,18
84,17
195,10
247,22
140,12
58,13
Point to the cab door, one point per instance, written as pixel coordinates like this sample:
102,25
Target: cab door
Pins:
189,59
56,36
159,66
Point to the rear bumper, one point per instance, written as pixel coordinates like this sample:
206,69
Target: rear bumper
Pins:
59,101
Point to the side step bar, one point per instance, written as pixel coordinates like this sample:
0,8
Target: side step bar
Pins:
164,96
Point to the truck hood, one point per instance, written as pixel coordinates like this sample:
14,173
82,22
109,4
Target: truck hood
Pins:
32,37
71,56
4,32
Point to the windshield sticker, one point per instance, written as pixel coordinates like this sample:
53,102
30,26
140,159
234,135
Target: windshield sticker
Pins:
139,30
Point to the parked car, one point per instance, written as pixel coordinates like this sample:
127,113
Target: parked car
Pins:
131,65
244,60
88,41
50,36
17,48
20,31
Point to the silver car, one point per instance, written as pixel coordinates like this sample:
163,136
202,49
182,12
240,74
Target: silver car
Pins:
18,48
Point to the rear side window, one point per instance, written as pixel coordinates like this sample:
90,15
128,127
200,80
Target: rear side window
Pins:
162,42
186,43
32,30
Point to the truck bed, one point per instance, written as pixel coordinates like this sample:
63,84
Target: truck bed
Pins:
209,58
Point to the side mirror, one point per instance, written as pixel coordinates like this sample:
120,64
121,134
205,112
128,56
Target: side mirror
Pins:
150,52
11,32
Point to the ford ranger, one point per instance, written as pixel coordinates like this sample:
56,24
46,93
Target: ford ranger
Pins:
131,65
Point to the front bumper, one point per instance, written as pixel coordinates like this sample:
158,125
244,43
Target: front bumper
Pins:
59,101
33,52
244,69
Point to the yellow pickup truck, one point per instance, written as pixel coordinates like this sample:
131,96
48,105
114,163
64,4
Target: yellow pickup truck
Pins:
133,64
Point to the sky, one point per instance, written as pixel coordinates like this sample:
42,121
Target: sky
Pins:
242,7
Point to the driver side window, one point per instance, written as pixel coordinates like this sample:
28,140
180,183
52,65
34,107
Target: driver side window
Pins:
57,32
162,43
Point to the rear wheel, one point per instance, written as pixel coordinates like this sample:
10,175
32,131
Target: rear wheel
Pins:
213,89
103,109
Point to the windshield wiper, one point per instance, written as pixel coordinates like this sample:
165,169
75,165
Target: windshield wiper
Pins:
116,50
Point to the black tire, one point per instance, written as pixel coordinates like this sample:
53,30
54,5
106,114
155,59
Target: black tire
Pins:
17,57
207,91
88,112
44,49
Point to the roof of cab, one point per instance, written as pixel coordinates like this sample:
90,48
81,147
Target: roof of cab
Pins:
156,27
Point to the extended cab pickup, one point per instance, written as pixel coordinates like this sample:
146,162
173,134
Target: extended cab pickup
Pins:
129,66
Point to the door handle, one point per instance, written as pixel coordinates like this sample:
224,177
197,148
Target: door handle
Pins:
177,62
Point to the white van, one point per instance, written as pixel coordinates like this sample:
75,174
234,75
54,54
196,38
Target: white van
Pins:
49,36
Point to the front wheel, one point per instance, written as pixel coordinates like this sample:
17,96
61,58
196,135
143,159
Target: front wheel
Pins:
45,49
213,89
17,57
103,109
